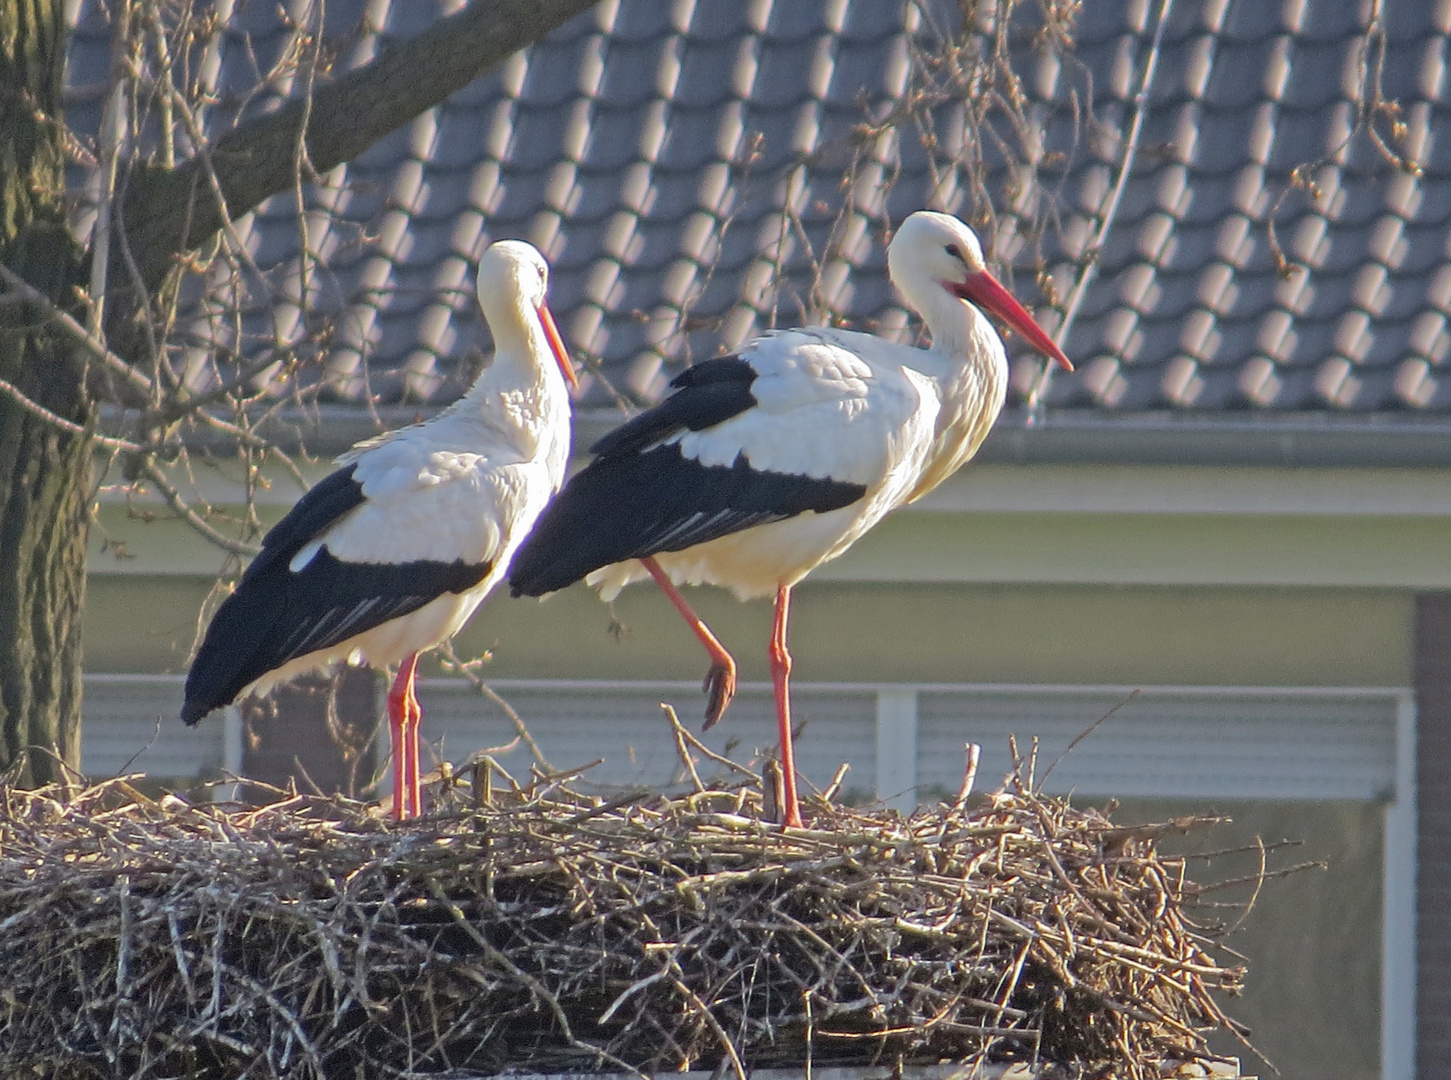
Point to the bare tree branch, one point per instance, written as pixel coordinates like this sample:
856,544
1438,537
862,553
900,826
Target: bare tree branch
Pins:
1109,212
183,509
36,409
18,286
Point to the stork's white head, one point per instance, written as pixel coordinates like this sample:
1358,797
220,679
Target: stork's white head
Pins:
511,268
934,253
935,247
512,282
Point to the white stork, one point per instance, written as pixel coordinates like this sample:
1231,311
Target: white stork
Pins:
390,555
761,465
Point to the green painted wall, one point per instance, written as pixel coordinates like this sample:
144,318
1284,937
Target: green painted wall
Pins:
1161,549
1313,939
141,624
980,595
1313,550
864,632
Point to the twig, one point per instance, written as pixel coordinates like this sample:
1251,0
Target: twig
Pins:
37,409
678,731
1260,880
1109,217
78,333
973,752
114,127
720,759
1085,733
446,650
833,789
174,499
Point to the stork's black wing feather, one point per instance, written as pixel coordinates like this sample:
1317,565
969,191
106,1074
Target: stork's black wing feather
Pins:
322,506
630,505
278,614
706,394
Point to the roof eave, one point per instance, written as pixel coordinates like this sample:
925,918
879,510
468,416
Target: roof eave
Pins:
1055,438
1303,441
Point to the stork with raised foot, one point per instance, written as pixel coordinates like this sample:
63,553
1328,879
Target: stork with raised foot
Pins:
761,465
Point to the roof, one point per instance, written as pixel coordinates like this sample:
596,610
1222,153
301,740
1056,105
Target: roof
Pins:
649,147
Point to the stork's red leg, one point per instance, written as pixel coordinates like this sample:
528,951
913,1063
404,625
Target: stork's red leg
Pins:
415,722
403,717
780,675
720,680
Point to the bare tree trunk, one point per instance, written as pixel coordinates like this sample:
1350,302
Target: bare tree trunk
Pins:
43,464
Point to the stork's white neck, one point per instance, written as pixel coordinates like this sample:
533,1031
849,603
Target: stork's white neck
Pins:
522,356
959,330
521,396
962,336
970,368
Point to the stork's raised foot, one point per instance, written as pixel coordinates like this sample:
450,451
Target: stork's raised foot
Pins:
720,681
719,687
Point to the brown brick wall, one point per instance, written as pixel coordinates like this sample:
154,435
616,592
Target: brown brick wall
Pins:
287,739
1433,845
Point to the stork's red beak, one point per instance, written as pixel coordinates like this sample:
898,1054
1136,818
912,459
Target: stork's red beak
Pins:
556,346
987,292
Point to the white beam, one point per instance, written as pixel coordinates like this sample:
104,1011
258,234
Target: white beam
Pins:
1398,930
897,748
232,732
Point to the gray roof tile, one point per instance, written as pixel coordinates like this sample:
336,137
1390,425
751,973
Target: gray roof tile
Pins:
628,140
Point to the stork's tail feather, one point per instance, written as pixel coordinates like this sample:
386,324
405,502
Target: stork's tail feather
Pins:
193,711
541,580
234,652
215,678
561,549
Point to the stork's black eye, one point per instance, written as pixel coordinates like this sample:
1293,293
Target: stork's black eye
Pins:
955,252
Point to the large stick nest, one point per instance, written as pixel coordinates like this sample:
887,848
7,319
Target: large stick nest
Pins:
554,931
